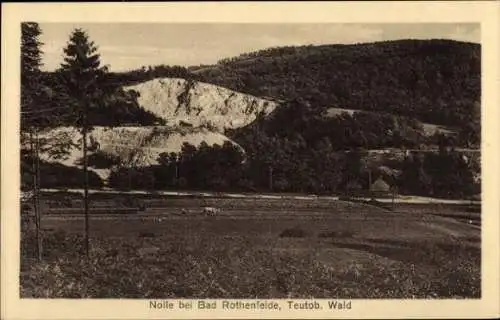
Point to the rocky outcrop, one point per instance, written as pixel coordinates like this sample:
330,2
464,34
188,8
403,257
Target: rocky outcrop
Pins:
136,146
200,104
195,112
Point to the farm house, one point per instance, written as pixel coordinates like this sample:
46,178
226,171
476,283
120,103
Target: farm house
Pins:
380,188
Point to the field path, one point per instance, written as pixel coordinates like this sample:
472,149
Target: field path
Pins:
399,199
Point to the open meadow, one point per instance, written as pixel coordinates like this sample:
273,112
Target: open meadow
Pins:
253,248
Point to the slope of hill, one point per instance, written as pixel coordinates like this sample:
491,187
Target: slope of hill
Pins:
192,112
428,128
435,81
137,146
196,104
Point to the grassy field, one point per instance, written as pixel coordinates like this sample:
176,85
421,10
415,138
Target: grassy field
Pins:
254,248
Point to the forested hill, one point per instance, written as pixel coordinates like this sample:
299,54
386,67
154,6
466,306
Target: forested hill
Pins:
435,81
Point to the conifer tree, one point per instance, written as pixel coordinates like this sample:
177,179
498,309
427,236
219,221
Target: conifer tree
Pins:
31,61
85,86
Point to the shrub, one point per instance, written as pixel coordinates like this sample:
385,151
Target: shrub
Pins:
132,178
336,234
146,235
344,198
102,160
295,232
56,175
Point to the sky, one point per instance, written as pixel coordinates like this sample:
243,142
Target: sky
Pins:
128,46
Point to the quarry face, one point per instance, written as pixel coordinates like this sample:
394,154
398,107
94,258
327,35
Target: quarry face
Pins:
200,104
195,112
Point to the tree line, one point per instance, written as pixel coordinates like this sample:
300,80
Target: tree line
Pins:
281,165
367,130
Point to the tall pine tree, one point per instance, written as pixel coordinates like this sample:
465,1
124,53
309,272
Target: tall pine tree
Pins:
31,61
84,79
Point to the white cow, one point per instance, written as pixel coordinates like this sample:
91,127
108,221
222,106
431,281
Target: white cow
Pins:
210,211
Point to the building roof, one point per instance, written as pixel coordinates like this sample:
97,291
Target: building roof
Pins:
380,185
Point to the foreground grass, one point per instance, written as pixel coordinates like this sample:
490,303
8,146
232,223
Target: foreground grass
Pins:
240,266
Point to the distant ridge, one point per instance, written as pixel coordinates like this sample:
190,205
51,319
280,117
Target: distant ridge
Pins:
436,81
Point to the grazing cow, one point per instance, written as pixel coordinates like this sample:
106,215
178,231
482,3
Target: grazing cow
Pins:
210,211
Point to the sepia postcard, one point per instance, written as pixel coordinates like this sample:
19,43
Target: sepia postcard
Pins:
206,160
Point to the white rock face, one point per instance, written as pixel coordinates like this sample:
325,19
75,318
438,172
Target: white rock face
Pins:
200,104
195,112
138,146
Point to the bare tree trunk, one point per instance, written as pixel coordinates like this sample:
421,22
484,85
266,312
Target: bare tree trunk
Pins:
393,197
39,217
129,179
176,178
86,181
370,183
33,172
36,180
270,178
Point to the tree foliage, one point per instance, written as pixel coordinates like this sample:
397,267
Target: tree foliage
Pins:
36,110
434,81
149,73
31,61
366,130
83,77
445,174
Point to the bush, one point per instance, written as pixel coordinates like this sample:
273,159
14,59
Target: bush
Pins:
146,235
295,232
102,160
132,178
344,198
56,175
336,234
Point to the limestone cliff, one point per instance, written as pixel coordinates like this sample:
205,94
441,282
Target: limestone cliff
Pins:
195,112
135,146
198,104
